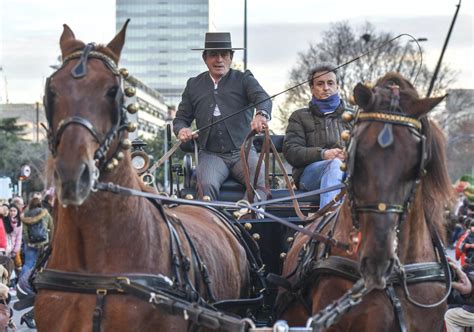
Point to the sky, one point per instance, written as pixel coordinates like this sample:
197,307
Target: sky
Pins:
277,31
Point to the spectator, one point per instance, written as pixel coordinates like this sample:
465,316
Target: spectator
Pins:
3,234
467,246
14,231
457,319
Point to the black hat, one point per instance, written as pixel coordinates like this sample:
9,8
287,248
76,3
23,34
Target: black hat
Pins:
217,41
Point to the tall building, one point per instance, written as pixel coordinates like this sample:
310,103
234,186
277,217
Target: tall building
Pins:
160,36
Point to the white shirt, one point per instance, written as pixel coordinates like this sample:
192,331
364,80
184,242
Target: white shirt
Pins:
217,111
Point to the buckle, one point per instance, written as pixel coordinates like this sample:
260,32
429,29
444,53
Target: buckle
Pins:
101,291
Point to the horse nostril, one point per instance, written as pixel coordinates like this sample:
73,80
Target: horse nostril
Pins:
85,178
391,264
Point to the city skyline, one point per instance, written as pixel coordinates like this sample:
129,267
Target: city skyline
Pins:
30,31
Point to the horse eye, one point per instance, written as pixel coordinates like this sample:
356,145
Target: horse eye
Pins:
112,92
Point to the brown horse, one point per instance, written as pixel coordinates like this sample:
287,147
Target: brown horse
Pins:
100,233
396,194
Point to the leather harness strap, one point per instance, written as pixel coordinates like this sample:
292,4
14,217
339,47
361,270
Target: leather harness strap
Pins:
397,308
92,283
265,154
156,289
98,310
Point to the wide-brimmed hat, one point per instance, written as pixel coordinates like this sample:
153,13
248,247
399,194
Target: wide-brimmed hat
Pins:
217,41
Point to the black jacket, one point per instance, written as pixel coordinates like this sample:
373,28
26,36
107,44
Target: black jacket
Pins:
235,91
309,132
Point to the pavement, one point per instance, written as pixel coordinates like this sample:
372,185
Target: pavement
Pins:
17,316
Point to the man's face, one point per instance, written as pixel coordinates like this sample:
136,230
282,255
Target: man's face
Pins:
218,62
324,86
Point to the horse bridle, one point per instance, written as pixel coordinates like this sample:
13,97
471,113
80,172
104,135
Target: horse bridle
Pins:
101,158
394,116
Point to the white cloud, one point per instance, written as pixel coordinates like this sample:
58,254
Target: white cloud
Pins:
278,29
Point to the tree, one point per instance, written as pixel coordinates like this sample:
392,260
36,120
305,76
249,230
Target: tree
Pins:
457,121
10,130
16,152
342,43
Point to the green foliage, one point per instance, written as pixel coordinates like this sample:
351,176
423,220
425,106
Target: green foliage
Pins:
16,152
10,130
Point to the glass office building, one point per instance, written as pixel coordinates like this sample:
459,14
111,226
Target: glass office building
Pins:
159,41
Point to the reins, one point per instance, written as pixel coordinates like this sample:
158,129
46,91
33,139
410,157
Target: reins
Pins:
117,189
267,148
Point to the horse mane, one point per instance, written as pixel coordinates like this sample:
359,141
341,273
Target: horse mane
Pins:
437,191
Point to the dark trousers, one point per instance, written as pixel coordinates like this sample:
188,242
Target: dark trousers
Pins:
214,168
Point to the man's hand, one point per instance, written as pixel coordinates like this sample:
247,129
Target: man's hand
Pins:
330,154
259,123
464,285
186,134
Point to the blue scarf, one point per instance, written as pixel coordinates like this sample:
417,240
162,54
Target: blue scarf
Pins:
327,105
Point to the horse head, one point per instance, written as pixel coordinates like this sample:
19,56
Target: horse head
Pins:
386,160
86,118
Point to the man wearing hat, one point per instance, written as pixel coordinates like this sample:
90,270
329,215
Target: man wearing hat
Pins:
211,96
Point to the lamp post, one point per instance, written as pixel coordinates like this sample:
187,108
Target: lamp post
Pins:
422,39
37,121
438,65
245,35
6,84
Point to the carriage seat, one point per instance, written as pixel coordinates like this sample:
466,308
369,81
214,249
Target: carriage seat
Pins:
232,190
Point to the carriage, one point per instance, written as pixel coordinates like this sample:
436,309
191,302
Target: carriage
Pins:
126,258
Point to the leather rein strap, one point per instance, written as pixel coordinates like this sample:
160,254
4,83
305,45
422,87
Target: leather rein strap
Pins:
265,154
117,189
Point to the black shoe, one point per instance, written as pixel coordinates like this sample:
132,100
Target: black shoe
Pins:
29,321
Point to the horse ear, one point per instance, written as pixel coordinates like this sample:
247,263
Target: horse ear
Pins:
117,43
421,107
363,95
66,37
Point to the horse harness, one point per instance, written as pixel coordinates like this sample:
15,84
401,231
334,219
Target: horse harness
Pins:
175,295
313,265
